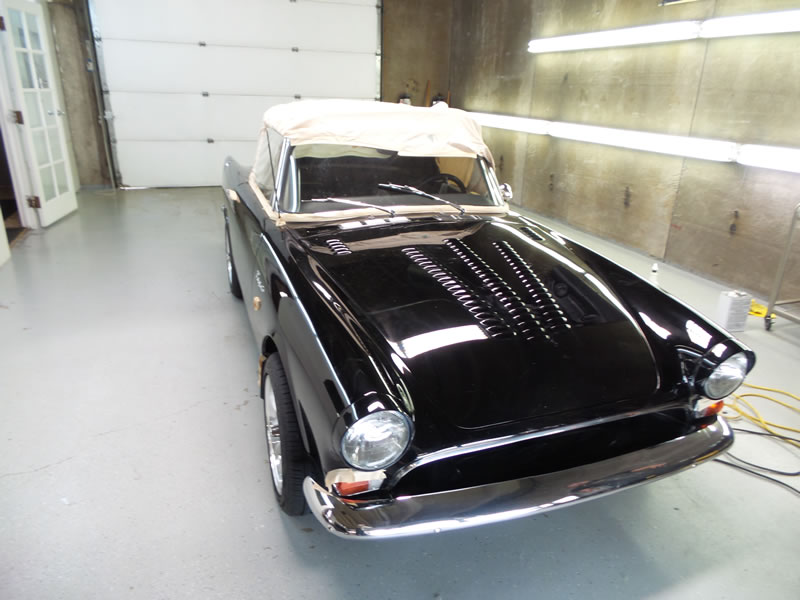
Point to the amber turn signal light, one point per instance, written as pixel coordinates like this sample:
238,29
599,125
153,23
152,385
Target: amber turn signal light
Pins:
706,407
346,488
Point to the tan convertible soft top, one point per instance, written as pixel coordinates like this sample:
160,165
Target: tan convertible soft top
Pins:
438,131
408,130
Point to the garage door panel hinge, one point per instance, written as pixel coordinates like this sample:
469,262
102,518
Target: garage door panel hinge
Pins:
295,49
34,201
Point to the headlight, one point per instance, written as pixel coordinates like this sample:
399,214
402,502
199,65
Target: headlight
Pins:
728,376
377,440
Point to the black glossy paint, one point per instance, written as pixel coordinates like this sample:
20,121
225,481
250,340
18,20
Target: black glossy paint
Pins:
531,356
475,327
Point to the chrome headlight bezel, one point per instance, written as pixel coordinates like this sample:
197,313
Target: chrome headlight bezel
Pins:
390,428
726,377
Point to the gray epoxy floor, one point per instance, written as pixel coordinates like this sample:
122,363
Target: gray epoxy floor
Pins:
133,460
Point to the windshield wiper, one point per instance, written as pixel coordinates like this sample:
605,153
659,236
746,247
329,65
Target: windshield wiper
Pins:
353,203
408,189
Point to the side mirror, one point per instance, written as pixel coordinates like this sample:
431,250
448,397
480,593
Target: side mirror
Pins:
506,192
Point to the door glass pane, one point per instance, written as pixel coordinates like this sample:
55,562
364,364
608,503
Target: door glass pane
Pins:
40,147
61,177
48,185
49,109
17,30
33,114
41,72
24,69
33,31
55,144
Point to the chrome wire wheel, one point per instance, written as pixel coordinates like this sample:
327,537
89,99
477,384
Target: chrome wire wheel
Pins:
273,435
288,459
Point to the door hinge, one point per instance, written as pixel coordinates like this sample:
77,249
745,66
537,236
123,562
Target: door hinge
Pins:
2,24
34,201
16,115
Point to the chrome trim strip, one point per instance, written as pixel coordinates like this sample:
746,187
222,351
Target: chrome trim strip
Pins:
276,194
294,203
493,503
506,440
491,178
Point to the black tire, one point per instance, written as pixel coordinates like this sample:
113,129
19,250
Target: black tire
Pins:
293,467
233,278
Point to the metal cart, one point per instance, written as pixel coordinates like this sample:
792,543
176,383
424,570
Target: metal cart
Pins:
786,309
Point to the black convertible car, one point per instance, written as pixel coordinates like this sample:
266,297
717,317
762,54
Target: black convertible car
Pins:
432,360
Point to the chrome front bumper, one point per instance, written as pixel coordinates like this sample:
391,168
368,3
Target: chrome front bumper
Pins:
442,511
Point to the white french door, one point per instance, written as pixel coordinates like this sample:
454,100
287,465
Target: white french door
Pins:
39,117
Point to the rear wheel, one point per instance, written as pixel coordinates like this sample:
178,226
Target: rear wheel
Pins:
233,278
287,457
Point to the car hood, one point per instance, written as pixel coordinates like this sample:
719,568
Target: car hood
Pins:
486,320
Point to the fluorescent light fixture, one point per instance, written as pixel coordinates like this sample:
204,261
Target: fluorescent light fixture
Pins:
631,36
767,157
535,126
676,145
787,21
770,157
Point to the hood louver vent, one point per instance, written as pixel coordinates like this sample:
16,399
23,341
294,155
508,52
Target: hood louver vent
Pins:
526,323
338,247
544,304
531,233
491,323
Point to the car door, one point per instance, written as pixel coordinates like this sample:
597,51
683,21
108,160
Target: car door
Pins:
260,304
244,228
267,277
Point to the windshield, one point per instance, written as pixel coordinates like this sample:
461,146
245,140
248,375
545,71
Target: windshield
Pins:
321,174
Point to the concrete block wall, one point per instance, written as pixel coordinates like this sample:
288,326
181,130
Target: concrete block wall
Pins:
724,221
416,49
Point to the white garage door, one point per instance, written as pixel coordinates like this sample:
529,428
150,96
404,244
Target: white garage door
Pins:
188,80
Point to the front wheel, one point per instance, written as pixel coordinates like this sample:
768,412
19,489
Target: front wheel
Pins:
288,462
